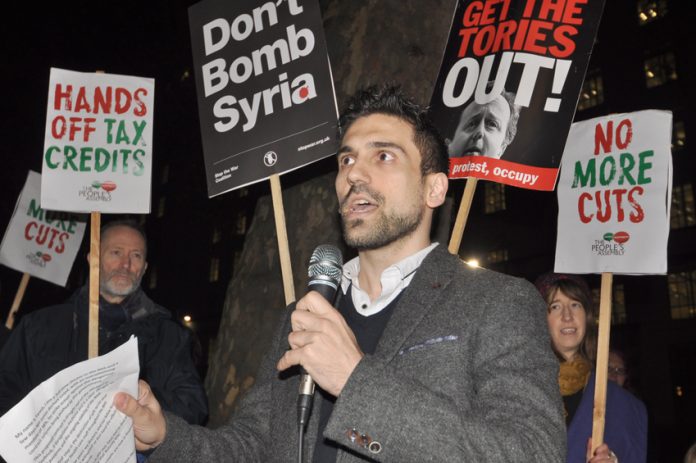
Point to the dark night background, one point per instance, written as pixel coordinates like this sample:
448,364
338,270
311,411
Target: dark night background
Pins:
198,246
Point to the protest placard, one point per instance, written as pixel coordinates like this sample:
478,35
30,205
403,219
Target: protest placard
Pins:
614,194
265,94
98,143
508,85
39,242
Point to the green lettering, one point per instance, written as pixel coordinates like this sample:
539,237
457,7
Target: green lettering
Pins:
627,163
584,177
643,165
85,159
141,167
109,126
35,210
101,159
603,179
70,155
49,152
121,135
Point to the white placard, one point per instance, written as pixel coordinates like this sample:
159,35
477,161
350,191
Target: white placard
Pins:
98,143
614,195
70,416
39,242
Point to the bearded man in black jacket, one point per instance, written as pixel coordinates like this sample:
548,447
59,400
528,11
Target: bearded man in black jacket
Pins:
54,338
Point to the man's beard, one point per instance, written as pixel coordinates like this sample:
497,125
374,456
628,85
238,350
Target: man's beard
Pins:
110,288
387,228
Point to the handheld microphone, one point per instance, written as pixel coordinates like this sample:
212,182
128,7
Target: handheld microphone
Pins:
325,270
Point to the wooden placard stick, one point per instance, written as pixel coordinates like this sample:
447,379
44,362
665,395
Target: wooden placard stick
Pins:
462,215
17,300
94,257
282,234
600,397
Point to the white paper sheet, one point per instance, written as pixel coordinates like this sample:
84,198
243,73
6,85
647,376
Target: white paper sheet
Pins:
70,416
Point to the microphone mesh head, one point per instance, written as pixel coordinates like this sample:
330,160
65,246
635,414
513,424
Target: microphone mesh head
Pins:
326,262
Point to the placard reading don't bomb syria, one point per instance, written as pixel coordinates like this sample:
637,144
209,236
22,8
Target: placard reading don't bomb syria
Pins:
98,143
38,242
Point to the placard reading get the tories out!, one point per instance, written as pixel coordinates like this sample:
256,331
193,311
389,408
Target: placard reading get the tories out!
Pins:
98,143
265,95
614,195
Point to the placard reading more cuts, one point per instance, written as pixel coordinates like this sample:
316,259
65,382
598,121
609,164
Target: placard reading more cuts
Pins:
38,242
614,194
98,143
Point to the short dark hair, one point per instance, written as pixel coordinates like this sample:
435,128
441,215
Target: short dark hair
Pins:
391,101
130,223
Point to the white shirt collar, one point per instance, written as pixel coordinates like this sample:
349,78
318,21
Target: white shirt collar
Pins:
394,279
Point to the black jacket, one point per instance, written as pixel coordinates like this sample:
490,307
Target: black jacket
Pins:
54,338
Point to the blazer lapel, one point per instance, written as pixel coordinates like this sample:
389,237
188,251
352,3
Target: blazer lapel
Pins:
432,277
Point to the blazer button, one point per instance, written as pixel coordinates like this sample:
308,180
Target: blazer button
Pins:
375,447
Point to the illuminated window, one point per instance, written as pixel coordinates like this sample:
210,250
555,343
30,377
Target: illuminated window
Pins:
682,289
682,213
650,10
678,135
214,269
592,93
165,175
618,305
217,235
494,197
160,207
241,223
497,256
152,282
660,69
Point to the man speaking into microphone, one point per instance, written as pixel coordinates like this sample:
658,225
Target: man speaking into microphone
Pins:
423,358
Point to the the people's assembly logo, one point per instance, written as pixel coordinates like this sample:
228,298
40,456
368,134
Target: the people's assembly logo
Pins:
97,191
611,244
40,259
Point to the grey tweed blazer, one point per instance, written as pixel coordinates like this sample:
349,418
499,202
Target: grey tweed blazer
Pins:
462,373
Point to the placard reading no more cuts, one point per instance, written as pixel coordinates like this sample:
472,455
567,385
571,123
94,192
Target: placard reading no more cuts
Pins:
38,242
98,143
614,195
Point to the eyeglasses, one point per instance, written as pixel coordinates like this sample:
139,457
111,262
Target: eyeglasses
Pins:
617,371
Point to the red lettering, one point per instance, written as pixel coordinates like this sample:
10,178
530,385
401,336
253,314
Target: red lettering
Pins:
571,14
62,95
618,194
82,104
101,101
584,218
140,108
537,33
603,216
603,138
562,35
29,226
555,7
61,240
465,35
637,215
472,14
484,41
529,8
503,38
622,142
123,100
57,131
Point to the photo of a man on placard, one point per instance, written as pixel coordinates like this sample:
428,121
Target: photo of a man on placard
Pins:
486,129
